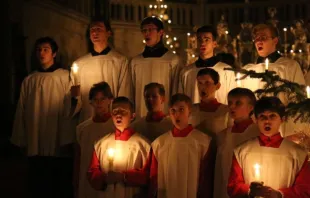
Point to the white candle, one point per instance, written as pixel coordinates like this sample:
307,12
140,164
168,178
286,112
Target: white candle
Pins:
111,154
238,80
308,91
266,64
257,171
75,71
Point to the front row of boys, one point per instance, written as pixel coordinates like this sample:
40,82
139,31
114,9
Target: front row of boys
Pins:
180,161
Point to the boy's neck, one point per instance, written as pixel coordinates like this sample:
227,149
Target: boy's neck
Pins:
206,56
239,120
99,47
102,117
208,100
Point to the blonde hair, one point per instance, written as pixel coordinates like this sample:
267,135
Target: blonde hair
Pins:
273,30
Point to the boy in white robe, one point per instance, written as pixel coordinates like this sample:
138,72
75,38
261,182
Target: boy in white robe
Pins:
101,64
266,38
88,133
182,159
155,64
269,166
206,39
119,165
156,122
241,103
41,127
209,116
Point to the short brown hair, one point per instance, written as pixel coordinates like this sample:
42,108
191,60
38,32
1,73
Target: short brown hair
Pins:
160,87
179,97
273,30
102,87
123,100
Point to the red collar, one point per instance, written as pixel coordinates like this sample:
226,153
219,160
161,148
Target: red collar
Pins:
155,116
273,141
241,126
105,117
210,106
182,133
125,135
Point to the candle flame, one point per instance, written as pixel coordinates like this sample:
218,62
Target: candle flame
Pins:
308,91
238,79
111,153
267,64
257,171
75,68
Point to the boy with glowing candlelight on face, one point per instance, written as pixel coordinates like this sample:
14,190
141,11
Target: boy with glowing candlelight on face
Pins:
116,168
241,103
156,122
89,132
269,166
209,116
182,161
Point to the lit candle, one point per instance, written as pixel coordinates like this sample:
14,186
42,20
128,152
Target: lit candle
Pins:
308,91
266,64
257,172
75,71
111,154
238,80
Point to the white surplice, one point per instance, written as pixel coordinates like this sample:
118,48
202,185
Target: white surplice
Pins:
112,68
278,166
188,82
152,130
226,143
164,70
130,154
210,123
40,122
87,134
179,160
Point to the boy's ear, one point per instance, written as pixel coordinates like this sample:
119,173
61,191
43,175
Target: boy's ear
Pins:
133,116
163,99
218,86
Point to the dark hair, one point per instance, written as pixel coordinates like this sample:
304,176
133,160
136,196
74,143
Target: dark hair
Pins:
102,87
243,92
211,72
124,100
48,40
207,29
100,19
160,87
179,97
274,31
152,20
272,104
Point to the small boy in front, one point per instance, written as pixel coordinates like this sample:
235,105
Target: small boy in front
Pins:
182,161
241,102
119,159
156,122
269,166
209,116
89,132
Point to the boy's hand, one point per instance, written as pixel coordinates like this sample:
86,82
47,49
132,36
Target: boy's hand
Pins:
264,191
114,177
75,91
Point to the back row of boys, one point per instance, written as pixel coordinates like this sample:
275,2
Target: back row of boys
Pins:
41,124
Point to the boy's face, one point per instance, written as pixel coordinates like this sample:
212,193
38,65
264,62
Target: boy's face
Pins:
153,100
122,115
206,87
206,44
239,107
98,33
269,122
45,54
151,34
179,114
264,42
100,103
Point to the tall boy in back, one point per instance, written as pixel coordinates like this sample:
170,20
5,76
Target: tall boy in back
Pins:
182,162
119,157
156,122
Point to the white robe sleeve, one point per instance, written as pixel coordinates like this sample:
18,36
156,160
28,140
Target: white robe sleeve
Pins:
73,108
297,75
177,66
230,83
19,133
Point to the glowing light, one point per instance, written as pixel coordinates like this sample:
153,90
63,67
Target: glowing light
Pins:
300,51
169,21
238,79
165,6
75,68
144,41
168,42
175,38
171,46
151,6
226,32
193,56
308,91
284,29
174,52
167,36
188,34
266,64
292,51
257,171
111,153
